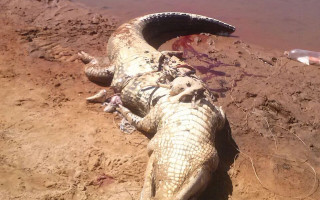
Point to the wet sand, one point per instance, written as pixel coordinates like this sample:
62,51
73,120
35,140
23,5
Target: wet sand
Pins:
53,145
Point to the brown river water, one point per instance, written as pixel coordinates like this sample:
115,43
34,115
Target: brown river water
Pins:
273,24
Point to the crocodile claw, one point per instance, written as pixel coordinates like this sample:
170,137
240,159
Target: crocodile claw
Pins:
100,97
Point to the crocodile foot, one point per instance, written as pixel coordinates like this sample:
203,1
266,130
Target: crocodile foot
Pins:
126,127
97,70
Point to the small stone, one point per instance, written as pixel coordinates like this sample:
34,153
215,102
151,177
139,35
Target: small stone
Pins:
94,162
49,184
77,174
82,187
96,19
93,32
237,63
210,42
237,42
249,94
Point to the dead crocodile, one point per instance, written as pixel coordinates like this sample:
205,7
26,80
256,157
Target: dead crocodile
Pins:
164,97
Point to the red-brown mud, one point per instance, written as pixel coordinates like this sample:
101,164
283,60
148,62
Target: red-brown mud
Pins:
53,145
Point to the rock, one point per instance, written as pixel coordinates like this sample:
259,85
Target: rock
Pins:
77,174
50,184
96,19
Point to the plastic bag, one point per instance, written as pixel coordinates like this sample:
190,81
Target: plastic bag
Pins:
304,56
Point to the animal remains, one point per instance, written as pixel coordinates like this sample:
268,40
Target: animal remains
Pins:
160,94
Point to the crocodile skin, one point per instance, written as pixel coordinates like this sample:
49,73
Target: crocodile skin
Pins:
181,114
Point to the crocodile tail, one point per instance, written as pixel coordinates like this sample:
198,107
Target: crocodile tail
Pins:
159,27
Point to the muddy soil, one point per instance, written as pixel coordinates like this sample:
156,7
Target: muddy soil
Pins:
53,145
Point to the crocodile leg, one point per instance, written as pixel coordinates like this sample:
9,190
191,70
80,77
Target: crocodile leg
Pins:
97,69
146,124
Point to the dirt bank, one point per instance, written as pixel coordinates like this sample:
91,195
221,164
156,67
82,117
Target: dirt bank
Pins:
55,146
